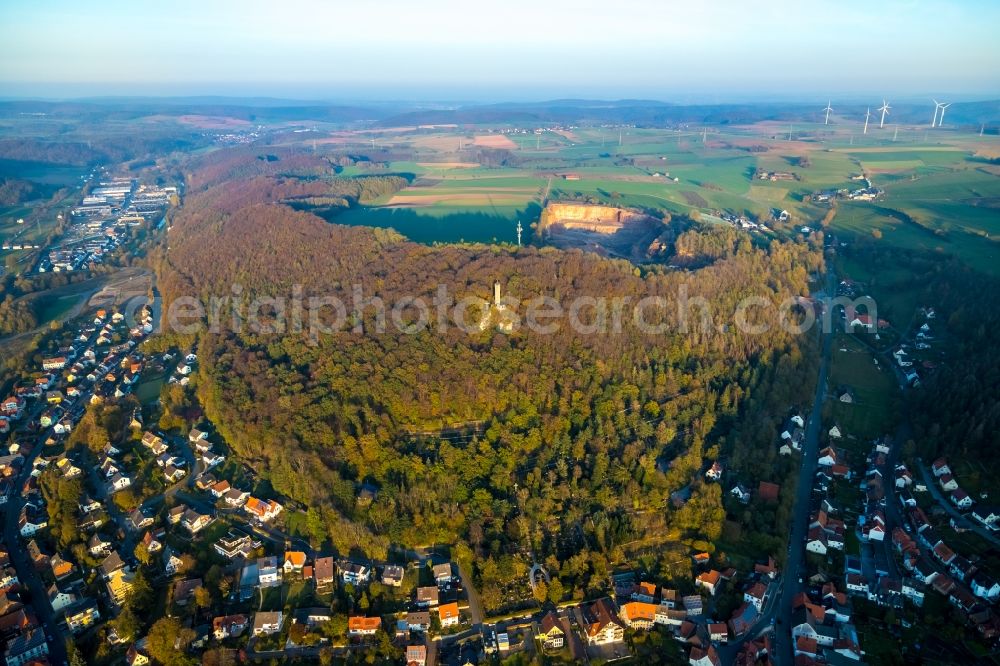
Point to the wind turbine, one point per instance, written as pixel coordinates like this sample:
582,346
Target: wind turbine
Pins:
828,109
941,119
868,114
937,107
884,109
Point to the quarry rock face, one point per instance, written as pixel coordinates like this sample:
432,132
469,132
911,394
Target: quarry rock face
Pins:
594,218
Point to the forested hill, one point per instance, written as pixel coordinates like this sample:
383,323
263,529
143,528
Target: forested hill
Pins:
583,424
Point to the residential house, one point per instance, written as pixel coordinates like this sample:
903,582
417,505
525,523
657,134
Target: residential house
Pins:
173,474
985,587
235,544
427,597
704,657
88,504
358,625
60,598
229,626
262,510
26,648
718,632
392,575
416,655
644,592
947,482
669,616
98,546
828,457
769,568
943,553
708,580
714,473
119,586
448,614
294,561
601,624
152,441
183,590
176,513
768,491
755,595
986,514
323,572
913,590
139,520
111,564
816,541
418,620
638,614
354,573
551,632
442,574
83,615
268,573
267,623
220,489
153,540
940,467
856,584
743,619
195,522
172,562
235,497
119,482
741,492
692,605
212,459
961,499
31,521
60,568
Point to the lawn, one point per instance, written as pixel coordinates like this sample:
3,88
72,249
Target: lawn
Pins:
147,391
54,308
871,414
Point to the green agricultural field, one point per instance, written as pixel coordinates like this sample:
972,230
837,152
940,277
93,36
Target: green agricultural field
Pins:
874,389
938,198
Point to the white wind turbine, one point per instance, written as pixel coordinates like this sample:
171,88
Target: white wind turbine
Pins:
884,109
937,107
868,114
941,119
828,109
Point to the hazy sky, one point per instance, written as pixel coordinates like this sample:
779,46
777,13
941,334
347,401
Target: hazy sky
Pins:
515,49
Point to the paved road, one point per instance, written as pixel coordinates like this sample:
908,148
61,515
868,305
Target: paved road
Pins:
764,623
795,562
26,572
960,519
475,606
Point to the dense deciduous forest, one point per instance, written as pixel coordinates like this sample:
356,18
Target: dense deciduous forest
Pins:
113,147
566,444
18,190
956,410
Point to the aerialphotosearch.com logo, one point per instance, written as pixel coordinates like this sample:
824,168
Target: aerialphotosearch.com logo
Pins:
359,314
